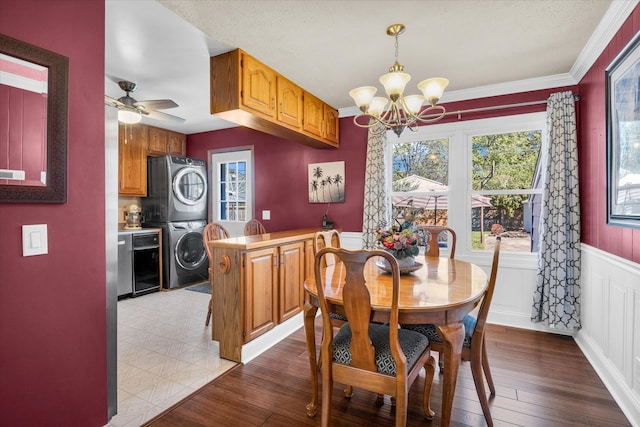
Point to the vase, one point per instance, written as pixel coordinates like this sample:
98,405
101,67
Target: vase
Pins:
406,262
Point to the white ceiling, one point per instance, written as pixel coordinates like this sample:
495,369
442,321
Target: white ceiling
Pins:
327,47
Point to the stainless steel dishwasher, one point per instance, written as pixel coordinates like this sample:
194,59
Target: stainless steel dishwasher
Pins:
125,266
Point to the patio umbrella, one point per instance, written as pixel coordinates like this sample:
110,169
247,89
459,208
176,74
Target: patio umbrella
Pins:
419,186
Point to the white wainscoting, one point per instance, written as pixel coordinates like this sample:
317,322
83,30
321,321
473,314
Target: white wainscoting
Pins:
610,334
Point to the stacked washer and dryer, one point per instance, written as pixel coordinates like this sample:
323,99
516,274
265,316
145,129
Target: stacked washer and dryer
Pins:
176,202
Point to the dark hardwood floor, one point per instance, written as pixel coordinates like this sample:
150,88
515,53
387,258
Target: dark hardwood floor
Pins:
541,380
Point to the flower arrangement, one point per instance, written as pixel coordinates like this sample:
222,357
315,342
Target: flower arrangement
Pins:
401,244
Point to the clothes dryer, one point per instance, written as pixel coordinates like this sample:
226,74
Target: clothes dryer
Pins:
184,257
176,189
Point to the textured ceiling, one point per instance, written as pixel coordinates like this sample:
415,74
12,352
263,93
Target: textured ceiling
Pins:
330,47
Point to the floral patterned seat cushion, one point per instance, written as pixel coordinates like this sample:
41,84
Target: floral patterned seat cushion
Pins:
412,344
429,330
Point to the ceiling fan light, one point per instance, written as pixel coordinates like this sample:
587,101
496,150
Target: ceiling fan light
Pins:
362,96
377,105
414,103
394,84
433,88
129,116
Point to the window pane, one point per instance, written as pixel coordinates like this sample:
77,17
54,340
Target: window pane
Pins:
427,159
505,161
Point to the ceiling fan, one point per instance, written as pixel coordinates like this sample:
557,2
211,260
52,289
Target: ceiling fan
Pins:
131,111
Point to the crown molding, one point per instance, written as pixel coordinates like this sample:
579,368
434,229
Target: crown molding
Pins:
611,22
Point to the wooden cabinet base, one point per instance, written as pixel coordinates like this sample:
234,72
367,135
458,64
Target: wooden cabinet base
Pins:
257,290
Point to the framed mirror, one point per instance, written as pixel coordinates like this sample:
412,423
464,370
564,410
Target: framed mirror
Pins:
33,144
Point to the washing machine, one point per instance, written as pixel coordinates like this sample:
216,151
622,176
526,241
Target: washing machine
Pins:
184,257
176,189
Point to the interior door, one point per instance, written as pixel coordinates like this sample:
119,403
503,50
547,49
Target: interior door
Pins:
232,189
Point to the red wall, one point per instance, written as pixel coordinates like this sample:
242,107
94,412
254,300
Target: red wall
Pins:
52,307
281,169
623,242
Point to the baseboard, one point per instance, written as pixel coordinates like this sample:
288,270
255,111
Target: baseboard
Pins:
264,342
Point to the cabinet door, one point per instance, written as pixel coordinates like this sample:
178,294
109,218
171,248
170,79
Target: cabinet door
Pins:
312,115
292,263
289,96
177,144
132,160
261,287
331,121
157,141
258,86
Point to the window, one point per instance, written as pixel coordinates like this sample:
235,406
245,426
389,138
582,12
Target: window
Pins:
232,189
480,177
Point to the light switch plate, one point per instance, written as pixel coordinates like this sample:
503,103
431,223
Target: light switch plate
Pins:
34,240
266,215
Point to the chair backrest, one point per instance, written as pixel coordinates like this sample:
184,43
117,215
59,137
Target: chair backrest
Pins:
254,227
326,239
478,332
357,305
434,232
213,231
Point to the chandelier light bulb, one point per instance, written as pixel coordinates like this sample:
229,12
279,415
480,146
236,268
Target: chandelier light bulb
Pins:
376,108
394,84
362,96
433,88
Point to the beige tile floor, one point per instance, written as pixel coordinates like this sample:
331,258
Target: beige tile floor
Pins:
165,353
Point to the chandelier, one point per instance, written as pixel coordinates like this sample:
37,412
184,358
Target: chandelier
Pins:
404,111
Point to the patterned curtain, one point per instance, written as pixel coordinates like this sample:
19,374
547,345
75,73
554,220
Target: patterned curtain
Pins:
556,300
375,193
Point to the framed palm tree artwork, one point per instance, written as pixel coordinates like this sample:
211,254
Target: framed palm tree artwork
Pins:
326,182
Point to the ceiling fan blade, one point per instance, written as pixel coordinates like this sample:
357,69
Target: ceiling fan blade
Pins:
157,115
113,102
156,104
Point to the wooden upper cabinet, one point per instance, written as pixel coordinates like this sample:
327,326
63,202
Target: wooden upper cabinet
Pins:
177,144
251,94
163,142
289,96
313,115
320,119
132,160
331,124
157,141
258,86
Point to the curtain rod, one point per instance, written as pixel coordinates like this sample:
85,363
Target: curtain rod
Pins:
576,97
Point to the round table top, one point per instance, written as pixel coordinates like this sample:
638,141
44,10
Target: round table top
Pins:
440,283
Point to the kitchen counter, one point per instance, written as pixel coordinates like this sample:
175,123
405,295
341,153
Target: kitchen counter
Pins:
265,240
123,230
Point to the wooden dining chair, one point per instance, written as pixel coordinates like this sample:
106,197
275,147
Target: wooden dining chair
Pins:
254,227
433,238
473,347
328,239
381,358
212,231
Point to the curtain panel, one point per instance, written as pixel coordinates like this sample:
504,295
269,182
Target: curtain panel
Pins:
556,300
375,191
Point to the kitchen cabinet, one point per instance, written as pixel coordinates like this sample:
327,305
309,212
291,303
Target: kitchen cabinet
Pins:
320,120
289,108
259,87
249,93
132,160
258,285
163,142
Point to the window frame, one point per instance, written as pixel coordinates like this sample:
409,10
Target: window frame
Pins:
460,189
